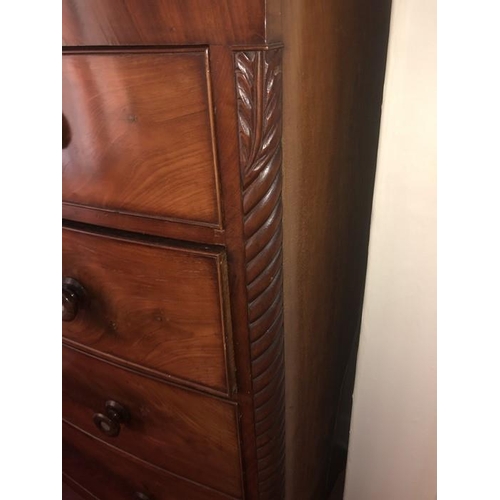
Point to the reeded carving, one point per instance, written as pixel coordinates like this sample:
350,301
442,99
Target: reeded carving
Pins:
259,91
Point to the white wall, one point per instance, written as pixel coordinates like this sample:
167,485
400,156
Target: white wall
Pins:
392,450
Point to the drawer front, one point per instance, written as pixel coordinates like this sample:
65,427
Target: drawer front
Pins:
109,474
138,134
180,431
155,306
164,22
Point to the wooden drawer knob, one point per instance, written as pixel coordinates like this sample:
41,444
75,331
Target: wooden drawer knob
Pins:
73,298
109,423
66,132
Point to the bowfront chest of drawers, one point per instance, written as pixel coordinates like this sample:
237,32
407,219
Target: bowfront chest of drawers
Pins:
217,170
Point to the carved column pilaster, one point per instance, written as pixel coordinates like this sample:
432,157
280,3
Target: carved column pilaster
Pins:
259,92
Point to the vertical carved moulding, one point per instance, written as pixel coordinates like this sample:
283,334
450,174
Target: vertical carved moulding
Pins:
259,93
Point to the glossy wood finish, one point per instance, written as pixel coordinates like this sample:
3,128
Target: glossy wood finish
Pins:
74,297
109,474
110,422
141,135
259,90
181,431
331,121
170,22
128,222
332,74
225,102
160,307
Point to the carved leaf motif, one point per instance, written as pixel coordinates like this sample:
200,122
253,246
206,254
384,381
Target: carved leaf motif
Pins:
259,90
245,69
258,81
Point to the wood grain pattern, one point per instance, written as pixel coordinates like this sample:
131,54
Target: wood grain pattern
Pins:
181,431
259,90
110,474
141,135
333,78
150,305
333,67
225,101
179,230
170,22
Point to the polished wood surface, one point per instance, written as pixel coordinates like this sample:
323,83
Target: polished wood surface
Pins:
141,135
259,91
179,230
110,422
331,121
170,22
295,257
74,297
151,305
225,102
110,474
181,431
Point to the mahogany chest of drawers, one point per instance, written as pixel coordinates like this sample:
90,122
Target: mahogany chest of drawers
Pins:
218,163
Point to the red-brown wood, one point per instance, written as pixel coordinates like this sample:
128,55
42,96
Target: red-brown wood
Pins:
160,307
170,22
110,474
223,71
169,229
181,431
259,90
110,422
332,77
141,135
74,298
333,73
